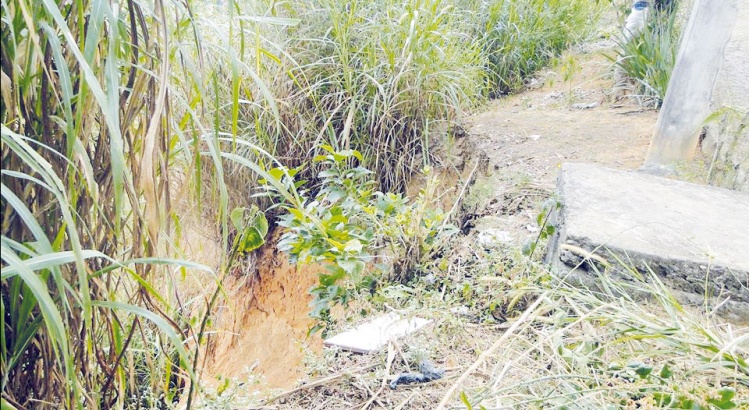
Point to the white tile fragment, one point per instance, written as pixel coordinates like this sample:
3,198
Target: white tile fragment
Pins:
371,336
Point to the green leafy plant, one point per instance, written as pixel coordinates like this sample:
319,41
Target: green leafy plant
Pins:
334,227
251,226
655,384
414,231
546,229
346,223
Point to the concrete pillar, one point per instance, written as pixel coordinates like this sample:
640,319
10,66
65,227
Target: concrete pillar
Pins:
686,105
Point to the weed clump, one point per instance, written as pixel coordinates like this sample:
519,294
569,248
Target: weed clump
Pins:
387,78
520,37
649,57
380,76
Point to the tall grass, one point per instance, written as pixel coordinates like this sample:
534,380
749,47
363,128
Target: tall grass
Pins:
380,77
104,101
389,77
521,37
648,58
108,107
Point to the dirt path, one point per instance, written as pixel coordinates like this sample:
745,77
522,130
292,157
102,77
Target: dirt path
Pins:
527,136
511,153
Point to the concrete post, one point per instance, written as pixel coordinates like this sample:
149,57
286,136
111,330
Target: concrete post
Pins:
686,105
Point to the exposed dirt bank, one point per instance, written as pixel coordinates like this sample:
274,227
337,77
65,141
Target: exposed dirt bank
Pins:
268,334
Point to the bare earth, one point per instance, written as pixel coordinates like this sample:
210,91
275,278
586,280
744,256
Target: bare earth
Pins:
527,136
523,140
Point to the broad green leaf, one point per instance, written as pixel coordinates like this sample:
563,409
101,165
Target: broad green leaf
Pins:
337,246
353,267
353,246
261,223
252,239
237,217
727,393
643,371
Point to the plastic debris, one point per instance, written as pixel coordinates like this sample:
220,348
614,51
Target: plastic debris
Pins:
428,373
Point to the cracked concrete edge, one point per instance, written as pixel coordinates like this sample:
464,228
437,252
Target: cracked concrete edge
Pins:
583,272
580,277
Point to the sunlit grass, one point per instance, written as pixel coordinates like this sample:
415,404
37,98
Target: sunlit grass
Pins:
649,57
107,108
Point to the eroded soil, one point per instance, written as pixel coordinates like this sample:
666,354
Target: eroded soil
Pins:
270,323
511,151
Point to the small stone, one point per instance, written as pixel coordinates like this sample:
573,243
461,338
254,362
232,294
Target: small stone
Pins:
492,238
583,106
535,136
460,311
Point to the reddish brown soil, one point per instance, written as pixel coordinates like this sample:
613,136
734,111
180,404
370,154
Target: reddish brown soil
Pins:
270,324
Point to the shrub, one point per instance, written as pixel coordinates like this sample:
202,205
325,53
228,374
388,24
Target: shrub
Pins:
346,225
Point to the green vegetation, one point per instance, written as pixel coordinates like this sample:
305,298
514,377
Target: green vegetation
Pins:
603,348
380,76
347,222
87,150
315,112
560,345
523,36
649,57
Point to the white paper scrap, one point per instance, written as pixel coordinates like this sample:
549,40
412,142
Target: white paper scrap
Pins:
371,336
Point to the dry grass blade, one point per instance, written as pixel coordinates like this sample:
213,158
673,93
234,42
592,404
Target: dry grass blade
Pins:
316,383
150,155
522,320
388,364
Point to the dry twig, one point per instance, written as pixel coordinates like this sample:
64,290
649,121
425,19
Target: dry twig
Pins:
389,362
313,384
489,351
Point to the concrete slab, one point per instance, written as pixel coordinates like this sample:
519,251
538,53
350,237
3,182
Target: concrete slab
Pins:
371,336
690,235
